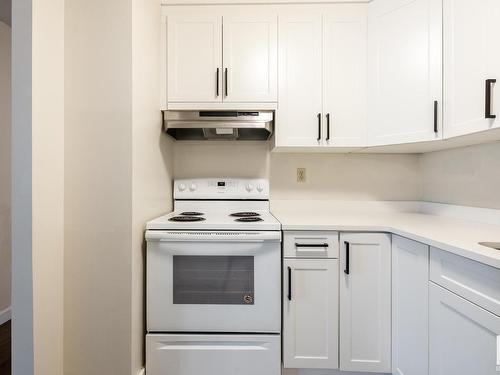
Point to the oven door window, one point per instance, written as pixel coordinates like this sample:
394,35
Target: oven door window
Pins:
213,280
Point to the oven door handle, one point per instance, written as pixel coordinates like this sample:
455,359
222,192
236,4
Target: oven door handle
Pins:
207,236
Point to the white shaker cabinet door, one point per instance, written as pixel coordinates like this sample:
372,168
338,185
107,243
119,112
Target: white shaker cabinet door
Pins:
344,77
310,313
194,57
404,71
464,338
365,302
471,56
410,324
298,120
250,56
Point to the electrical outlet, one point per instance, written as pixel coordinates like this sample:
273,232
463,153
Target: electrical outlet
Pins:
301,175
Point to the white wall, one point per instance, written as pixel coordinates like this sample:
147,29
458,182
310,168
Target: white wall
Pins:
468,176
21,172
329,176
5,102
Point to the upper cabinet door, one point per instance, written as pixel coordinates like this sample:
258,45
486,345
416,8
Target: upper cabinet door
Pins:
250,57
194,57
344,75
365,302
472,56
405,71
300,78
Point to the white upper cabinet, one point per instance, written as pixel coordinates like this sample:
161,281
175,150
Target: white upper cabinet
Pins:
250,57
300,77
404,71
322,76
194,56
221,54
344,76
365,302
471,57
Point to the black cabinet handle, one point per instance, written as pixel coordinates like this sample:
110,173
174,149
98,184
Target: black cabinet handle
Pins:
327,126
311,245
289,296
319,126
346,270
225,81
217,78
487,107
435,116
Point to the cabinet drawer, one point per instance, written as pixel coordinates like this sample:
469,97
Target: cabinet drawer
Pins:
474,281
311,244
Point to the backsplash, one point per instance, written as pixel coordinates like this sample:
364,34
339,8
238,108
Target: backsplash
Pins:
468,176
328,176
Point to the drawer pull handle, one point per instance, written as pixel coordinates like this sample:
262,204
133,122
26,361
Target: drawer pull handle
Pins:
311,245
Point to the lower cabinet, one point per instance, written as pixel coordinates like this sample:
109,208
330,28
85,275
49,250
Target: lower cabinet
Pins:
464,338
410,279
365,302
310,313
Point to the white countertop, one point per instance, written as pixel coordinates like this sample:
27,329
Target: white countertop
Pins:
451,234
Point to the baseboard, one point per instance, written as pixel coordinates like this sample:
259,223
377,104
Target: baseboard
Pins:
5,315
142,372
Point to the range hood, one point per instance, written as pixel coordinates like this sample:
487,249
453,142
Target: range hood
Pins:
219,125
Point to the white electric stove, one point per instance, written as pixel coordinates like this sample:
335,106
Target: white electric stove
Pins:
214,281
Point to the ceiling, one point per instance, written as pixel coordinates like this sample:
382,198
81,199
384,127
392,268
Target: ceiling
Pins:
5,11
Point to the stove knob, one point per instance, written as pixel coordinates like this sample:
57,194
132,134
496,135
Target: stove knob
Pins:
249,187
192,187
260,188
182,187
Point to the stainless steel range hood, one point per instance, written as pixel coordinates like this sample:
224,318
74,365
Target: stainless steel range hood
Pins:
219,125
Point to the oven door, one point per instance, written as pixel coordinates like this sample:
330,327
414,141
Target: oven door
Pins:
213,281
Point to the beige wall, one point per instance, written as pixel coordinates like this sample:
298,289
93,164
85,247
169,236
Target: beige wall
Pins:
117,176
98,189
151,155
48,185
329,176
468,176
5,179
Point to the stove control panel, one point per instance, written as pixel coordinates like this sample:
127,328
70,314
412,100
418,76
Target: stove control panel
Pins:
222,188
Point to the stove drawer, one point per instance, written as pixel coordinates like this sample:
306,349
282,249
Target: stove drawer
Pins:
213,354
310,244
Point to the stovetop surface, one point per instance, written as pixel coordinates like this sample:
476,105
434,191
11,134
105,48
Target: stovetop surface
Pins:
215,220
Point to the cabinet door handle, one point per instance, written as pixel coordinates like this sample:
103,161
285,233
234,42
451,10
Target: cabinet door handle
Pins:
487,107
319,127
327,126
346,270
289,296
217,78
435,116
498,354
225,81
